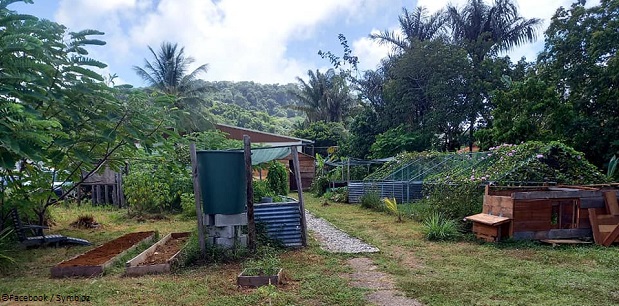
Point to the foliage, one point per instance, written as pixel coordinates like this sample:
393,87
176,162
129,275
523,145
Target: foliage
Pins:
261,190
392,207
339,195
188,205
612,173
235,115
584,39
324,134
268,263
416,26
401,160
325,97
453,201
59,117
277,178
320,184
440,228
371,200
145,194
169,73
397,140
6,245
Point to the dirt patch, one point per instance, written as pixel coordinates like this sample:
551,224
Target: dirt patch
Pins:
407,258
107,251
165,251
366,275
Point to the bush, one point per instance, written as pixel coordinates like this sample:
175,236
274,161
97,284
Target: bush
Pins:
455,201
188,204
261,189
337,195
144,194
277,178
319,185
371,200
440,228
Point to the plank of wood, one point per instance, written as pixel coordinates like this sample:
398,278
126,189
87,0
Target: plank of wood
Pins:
556,194
612,237
593,219
488,219
610,198
564,241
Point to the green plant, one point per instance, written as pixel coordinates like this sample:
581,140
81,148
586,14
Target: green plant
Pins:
392,207
277,178
319,185
188,204
6,244
337,194
612,172
440,228
371,200
261,189
145,194
268,263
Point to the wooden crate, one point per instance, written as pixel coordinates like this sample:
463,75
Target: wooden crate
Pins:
490,228
133,267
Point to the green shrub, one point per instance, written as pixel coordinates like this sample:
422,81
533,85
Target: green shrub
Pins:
188,204
337,194
261,189
6,245
277,178
371,200
455,201
145,194
440,228
319,185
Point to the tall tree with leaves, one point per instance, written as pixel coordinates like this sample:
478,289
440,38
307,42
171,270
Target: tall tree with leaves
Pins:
59,116
485,30
324,97
415,26
169,73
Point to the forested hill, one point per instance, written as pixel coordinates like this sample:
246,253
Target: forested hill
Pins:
268,98
253,105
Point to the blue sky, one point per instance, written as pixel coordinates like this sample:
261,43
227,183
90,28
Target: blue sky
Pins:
266,41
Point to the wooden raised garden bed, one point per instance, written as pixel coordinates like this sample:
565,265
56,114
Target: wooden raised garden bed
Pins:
248,279
159,257
94,261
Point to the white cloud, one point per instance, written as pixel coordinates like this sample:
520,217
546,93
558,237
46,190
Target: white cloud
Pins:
240,40
370,52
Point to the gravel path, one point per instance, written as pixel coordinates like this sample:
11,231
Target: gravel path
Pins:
333,240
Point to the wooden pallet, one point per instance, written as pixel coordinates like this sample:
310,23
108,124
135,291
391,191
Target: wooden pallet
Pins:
605,222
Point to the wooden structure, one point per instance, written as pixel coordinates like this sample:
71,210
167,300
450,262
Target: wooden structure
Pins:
103,188
307,163
605,221
137,267
541,213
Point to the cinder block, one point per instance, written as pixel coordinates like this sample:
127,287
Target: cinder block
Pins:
227,220
225,242
208,220
221,231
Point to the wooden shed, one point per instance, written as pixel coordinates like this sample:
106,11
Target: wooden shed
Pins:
307,168
538,212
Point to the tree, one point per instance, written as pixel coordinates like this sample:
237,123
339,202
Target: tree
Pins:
169,73
324,134
580,60
485,30
325,97
416,26
59,117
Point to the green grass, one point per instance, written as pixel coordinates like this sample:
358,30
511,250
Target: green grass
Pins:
474,273
312,277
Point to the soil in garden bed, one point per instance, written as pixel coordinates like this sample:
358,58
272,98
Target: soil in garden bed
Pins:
107,251
164,252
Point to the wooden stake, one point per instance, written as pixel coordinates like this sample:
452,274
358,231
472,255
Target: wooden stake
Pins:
198,197
297,174
251,224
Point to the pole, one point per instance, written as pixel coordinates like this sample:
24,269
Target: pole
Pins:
198,197
251,225
297,174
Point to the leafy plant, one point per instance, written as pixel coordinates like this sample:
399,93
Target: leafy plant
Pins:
371,200
5,247
188,204
440,228
268,264
392,207
337,194
319,185
261,190
612,172
277,178
145,194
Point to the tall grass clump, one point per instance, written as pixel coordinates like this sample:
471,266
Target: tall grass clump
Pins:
371,200
438,227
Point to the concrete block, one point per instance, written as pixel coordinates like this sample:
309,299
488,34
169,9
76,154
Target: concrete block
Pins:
227,220
221,231
240,241
208,220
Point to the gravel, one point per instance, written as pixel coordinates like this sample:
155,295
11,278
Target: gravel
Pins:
334,240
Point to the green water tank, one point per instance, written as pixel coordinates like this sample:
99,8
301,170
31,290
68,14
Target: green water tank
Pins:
222,182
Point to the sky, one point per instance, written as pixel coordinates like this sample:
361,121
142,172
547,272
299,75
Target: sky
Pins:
265,41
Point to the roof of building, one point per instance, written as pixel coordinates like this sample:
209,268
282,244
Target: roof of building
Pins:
257,136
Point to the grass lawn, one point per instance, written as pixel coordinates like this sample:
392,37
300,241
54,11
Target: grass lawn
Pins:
313,277
474,273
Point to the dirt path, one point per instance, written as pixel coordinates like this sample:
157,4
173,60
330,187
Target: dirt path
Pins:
384,292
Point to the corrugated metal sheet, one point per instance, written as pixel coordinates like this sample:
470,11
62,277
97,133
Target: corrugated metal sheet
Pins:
282,221
402,191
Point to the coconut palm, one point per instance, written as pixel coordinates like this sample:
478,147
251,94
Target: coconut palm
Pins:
487,30
168,72
324,97
415,26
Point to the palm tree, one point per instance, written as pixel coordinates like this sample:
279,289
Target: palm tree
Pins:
168,73
324,97
415,26
486,30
